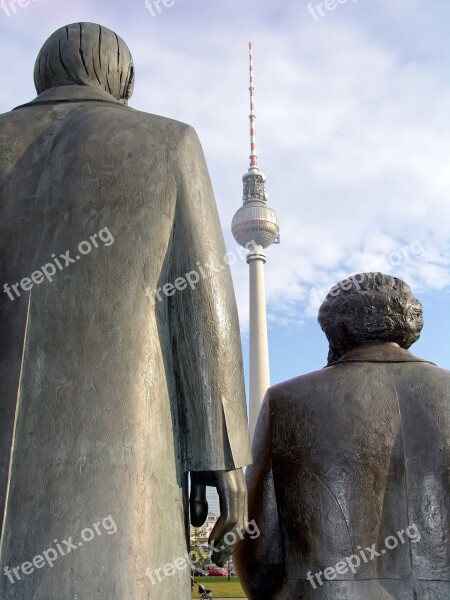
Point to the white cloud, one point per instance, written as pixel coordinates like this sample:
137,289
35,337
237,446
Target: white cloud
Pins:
353,127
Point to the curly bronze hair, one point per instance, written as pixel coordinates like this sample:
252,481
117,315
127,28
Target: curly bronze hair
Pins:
369,308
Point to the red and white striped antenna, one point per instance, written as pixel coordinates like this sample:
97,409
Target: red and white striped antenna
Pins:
253,155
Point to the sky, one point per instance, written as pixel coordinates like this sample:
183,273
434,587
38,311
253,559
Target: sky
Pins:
353,132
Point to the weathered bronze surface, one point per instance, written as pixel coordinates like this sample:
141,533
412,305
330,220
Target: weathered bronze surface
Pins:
350,455
110,394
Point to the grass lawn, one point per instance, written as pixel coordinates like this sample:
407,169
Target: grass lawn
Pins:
221,587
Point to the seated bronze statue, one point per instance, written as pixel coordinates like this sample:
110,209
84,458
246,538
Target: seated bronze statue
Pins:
351,482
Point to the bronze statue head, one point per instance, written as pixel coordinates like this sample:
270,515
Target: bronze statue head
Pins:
86,54
369,308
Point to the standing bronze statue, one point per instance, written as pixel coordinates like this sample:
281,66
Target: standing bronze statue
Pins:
120,364
351,482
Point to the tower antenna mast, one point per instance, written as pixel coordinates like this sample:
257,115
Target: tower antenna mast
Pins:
255,226
253,155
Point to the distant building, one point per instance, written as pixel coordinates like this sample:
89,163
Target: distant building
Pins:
199,535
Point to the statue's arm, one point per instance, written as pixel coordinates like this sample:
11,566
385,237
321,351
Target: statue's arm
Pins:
204,324
205,339
259,558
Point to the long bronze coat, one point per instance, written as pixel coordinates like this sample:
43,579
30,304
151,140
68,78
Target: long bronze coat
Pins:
345,458
110,396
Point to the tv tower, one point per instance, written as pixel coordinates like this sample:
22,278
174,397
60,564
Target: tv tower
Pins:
255,226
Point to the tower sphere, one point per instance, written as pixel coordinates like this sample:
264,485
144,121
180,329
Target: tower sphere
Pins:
255,221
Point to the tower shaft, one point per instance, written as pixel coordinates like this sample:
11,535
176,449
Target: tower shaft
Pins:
259,347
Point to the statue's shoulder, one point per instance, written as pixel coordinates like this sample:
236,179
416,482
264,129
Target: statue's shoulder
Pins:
301,386
434,369
156,121
98,110
334,381
8,117
152,117
149,127
311,378
428,376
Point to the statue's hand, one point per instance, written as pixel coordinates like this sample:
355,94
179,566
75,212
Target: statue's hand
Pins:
198,503
232,491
